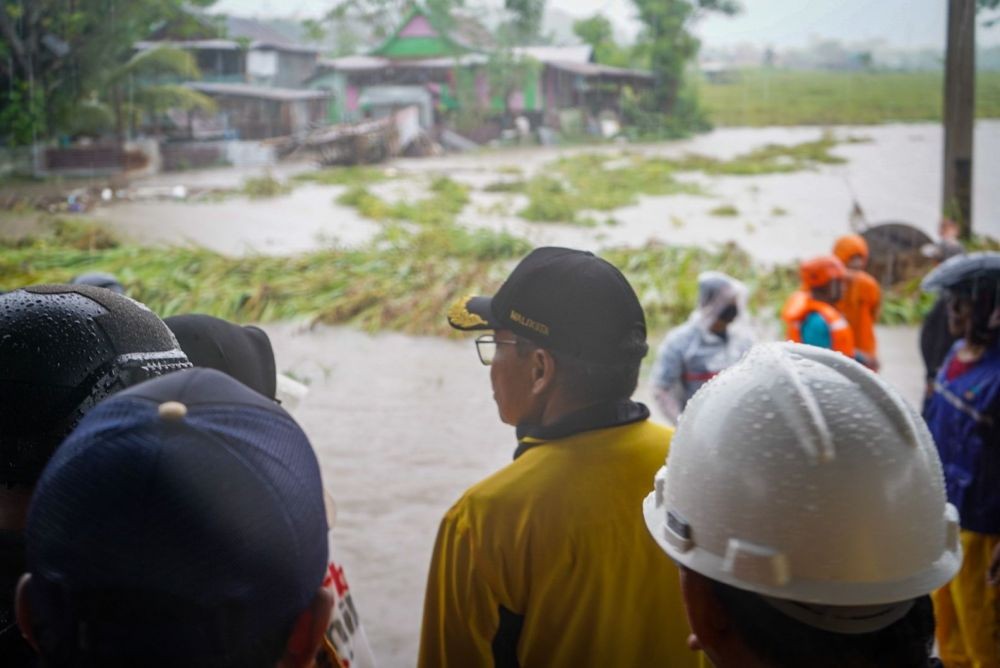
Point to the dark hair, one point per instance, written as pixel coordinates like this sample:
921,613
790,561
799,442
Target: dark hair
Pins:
983,295
135,628
783,642
593,382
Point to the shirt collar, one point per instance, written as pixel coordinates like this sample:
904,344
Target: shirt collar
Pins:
596,416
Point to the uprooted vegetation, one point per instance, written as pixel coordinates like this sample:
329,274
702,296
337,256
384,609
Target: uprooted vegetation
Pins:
404,279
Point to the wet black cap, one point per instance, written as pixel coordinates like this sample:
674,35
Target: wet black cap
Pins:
64,348
244,353
566,300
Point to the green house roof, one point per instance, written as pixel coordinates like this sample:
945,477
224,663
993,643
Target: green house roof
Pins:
423,35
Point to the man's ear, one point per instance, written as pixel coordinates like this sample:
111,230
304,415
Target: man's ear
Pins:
543,371
22,609
706,615
306,638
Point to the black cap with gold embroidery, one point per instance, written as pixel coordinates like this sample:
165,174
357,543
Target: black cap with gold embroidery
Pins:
566,300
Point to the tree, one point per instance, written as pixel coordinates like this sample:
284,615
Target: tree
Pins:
525,25
56,53
507,72
142,86
598,33
668,45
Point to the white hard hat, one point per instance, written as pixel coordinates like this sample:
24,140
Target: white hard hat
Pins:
800,475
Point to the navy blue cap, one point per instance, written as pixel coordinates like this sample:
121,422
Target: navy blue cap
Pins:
190,489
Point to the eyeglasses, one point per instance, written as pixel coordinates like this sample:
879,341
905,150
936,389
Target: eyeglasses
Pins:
486,346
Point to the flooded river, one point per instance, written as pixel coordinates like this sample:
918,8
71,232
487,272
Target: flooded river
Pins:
403,425
894,175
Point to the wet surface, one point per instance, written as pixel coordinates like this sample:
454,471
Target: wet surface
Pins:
895,176
403,425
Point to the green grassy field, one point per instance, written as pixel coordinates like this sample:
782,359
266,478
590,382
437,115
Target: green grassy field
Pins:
758,97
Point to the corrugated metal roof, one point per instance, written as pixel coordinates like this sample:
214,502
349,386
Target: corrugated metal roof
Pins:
260,92
354,63
552,54
223,45
595,70
217,44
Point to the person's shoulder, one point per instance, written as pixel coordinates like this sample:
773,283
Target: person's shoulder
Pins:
796,306
499,489
868,282
680,334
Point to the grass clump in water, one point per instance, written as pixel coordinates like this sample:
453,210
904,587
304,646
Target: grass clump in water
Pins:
516,186
769,159
725,210
587,182
549,201
353,176
448,198
263,187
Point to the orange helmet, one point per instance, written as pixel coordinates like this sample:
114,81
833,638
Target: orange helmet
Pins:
819,271
849,246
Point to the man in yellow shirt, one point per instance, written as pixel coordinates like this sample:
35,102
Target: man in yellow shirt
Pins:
547,562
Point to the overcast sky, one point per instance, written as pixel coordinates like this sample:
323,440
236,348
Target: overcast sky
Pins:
782,23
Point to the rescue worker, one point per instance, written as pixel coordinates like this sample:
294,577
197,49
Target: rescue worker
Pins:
964,416
862,298
181,524
810,315
545,562
707,343
805,536
63,349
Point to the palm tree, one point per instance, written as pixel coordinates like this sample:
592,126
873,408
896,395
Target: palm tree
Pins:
150,83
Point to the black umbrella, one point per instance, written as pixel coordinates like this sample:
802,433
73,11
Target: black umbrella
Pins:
962,268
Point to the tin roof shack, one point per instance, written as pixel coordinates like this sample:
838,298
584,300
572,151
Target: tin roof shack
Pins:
263,112
239,51
592,88
450,61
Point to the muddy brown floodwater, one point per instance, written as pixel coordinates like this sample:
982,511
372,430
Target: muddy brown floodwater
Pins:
895,174
402,426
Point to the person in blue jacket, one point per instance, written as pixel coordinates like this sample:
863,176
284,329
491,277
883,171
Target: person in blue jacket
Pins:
963,415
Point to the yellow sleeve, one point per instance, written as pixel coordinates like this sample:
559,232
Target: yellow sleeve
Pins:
461,612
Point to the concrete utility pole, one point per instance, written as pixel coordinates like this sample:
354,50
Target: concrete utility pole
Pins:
959,113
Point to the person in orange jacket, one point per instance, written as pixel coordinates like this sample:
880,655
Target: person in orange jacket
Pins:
810,315
862,296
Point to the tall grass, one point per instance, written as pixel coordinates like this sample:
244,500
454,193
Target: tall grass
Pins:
784,97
